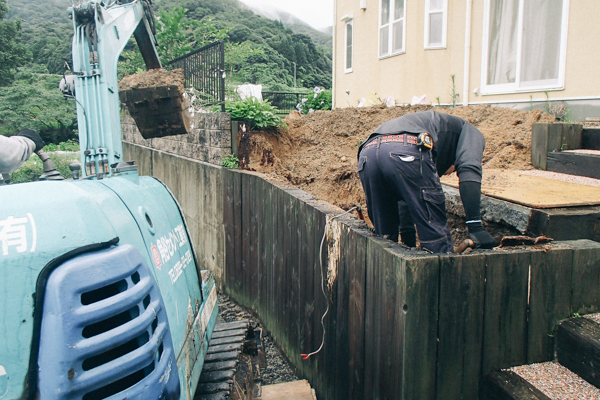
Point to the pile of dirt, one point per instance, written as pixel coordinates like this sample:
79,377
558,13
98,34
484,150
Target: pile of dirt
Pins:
318,152
153,77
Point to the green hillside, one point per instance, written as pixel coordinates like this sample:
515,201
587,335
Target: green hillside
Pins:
261,51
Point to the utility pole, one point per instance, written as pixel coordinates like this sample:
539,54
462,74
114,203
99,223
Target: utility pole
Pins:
294,75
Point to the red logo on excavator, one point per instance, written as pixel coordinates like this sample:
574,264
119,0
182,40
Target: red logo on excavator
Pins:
156,256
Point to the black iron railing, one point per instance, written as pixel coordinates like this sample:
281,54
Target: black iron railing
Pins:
204,70
284,101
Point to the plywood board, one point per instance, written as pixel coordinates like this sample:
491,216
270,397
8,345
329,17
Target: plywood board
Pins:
533,191
297,390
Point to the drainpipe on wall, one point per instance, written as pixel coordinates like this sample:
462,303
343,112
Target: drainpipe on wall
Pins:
467,65
333,96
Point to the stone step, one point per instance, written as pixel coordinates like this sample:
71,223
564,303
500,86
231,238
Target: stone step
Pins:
573,163
578,347
543,381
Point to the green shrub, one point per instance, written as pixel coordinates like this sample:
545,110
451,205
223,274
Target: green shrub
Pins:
320,100
231,161
31,170
260,114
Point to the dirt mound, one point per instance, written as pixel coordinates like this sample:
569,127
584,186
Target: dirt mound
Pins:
153,77
317,153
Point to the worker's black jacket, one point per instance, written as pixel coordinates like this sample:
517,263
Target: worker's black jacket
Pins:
455,141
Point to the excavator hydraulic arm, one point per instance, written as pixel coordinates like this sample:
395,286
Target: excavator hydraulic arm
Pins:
101,33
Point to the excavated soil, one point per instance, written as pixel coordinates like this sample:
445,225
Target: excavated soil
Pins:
152,78
318,152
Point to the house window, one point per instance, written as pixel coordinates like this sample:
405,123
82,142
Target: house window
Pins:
391,27
348,48
524,45
436,12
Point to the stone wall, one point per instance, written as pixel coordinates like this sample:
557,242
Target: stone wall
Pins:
208,141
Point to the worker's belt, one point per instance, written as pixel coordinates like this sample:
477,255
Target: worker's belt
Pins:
403,138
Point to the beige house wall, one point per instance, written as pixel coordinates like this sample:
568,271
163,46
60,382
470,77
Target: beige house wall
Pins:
419,71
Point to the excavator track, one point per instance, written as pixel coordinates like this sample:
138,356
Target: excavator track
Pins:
232,363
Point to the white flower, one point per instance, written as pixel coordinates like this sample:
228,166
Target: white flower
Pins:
315,96
310,111
304,101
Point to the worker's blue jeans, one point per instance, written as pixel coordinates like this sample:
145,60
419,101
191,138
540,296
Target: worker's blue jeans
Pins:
392,172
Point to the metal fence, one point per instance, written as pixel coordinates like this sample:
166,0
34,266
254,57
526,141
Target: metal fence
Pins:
204,70
284,101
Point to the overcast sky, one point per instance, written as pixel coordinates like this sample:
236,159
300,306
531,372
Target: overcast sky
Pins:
317,13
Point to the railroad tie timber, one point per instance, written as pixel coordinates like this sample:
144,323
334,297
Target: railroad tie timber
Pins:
221,361
573,376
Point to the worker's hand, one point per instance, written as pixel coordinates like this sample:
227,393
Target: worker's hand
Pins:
482,239
34,137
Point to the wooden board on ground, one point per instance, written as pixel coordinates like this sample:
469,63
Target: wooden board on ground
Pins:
296,390
533,191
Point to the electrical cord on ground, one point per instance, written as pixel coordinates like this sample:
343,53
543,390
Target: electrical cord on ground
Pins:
327,221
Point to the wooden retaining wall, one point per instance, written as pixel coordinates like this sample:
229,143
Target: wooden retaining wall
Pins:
402,324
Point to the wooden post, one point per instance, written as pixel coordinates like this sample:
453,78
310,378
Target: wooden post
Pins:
547,138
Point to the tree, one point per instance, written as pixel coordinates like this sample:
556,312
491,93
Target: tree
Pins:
34,101
12,52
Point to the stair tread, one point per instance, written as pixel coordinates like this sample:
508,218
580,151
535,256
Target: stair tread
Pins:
587,152
557,382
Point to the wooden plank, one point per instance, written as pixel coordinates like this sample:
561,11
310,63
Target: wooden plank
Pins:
296,390
555,137
460,332
247,238
356,255
549,300
575,164
590,139
384,295
534,191
539,145
578,348
507,385
256,230
505,310
586,276
292,274
571,137
420,335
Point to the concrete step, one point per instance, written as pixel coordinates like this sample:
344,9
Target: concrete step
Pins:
590,139
578,347
543,381
572,163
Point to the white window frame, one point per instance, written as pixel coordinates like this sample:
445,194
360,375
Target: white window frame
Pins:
444,13
516,87
346,69
390,24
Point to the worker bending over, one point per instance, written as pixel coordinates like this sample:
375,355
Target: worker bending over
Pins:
399,167
15,150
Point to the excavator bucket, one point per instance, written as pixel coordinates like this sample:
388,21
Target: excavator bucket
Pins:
155,100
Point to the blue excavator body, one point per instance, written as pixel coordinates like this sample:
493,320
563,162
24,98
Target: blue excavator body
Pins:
100,293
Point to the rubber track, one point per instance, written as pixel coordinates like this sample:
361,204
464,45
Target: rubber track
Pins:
221,360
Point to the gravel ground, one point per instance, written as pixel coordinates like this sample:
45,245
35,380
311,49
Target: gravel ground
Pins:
278,370
562,177
557,382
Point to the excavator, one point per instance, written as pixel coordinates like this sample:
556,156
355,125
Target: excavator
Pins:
101,296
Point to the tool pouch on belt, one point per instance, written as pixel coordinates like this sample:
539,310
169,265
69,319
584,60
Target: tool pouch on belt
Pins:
425,141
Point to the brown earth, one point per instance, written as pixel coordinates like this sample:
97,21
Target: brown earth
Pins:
153,77
317,153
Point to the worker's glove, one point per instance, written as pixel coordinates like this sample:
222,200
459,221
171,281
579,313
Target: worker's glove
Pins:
34,137
481,238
